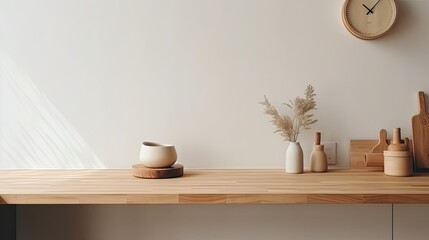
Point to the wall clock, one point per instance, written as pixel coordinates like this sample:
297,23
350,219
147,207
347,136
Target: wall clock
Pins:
369,19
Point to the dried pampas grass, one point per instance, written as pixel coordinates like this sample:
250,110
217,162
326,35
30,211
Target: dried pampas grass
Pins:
290,127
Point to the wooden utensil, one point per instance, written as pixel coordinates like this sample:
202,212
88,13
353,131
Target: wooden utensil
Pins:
317,137
382,142
420,125
375,157
374,160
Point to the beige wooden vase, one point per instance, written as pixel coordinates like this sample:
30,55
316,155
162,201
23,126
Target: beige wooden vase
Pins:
398,163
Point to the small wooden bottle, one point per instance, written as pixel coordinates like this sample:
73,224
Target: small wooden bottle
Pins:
318,159
398,159
396,144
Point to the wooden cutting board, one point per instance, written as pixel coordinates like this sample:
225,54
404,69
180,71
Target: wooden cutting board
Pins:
420,124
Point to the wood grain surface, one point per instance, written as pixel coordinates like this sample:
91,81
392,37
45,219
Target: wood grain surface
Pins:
209,186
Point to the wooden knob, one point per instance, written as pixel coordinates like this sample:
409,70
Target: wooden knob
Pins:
396,144
422,103
396,136
407,144
317,137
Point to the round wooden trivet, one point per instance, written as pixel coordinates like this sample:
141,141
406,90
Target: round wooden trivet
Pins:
141,171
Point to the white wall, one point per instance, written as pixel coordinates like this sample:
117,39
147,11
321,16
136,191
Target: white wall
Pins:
191,73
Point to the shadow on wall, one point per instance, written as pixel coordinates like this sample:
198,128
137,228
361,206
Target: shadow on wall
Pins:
33,134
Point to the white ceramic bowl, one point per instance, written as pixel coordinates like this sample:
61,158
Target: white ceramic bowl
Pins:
155,155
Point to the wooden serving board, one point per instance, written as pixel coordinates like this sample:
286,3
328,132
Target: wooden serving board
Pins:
382,142
420,124
140,171
358,148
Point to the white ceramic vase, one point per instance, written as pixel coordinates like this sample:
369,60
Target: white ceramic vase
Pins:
155,155
294,158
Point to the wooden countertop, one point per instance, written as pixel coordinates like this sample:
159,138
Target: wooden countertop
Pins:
209,186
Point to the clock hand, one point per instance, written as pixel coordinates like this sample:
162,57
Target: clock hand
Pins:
369,10
373,7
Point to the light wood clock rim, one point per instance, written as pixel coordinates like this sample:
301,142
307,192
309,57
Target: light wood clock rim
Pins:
362,36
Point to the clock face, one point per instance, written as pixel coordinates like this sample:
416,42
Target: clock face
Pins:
369,19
